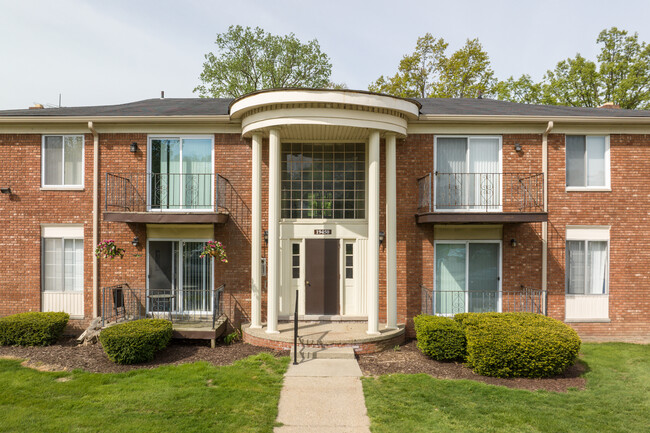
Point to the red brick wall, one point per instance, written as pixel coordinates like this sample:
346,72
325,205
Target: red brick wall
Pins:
22,214
625,209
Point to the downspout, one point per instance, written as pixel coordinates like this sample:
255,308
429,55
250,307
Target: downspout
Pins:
549,127
95,215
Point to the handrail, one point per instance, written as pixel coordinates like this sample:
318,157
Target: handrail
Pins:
295,332
216,303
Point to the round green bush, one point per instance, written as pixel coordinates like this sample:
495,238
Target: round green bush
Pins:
519,344
32,329
137,341
440,338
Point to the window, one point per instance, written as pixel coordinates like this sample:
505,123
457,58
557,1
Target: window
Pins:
349,261
587,274
295,261
62,161
587,161
63,264
468,173
586,267
182,173
323,180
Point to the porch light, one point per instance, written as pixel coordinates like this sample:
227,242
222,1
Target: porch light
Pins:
134,147
135,241
266,236
513,242
382,235
518,147
6,190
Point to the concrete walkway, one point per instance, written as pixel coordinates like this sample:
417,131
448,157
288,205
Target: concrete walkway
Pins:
322,396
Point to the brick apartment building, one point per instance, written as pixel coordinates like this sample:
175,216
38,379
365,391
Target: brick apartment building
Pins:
373,208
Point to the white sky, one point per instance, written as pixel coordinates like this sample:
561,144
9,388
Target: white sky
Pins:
116,51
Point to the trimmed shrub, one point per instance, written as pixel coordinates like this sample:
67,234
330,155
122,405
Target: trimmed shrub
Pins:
518,344
137,341
32,329
440,338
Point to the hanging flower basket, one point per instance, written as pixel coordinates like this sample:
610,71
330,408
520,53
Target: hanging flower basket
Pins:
108,250
215,249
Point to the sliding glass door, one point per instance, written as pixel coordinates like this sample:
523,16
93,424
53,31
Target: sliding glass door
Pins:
468,277
468,173
181,173
180,281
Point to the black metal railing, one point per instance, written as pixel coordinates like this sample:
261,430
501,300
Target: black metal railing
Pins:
144,192
123,303
450,302
486,192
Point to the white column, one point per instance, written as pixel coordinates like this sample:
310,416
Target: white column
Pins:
391,232
274,232
256,234
373,234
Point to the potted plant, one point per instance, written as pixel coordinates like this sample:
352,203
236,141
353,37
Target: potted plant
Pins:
215,249
107,249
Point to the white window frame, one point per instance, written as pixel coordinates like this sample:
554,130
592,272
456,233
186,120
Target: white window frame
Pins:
435,169
63,232
181,137
61,186
588,307
607,186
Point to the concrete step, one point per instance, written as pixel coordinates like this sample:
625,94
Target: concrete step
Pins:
325,353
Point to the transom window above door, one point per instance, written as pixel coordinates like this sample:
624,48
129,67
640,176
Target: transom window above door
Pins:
181,173
468,173
322,181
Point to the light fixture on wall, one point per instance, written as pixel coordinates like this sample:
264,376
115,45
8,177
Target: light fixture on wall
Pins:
135,241
513,242
266,236
134,147
382,235
6,190
518,148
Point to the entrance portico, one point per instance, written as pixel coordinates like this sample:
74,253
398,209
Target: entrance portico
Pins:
324,183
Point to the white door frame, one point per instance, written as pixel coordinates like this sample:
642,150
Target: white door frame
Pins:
179,268
466,242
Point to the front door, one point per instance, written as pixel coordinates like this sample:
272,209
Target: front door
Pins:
322,276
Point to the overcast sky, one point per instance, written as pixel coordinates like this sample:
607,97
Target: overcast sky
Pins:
108,52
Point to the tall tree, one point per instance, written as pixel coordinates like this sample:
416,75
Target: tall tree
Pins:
252,59
621,75
429,72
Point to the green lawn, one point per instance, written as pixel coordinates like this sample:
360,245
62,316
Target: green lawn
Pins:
197,397
617,399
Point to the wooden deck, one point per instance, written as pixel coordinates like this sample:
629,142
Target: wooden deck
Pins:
200,330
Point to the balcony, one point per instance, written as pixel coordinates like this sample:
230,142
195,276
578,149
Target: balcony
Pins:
166,198
481,198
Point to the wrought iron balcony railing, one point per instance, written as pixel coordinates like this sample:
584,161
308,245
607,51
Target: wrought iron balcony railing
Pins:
151,192
481,192
450,302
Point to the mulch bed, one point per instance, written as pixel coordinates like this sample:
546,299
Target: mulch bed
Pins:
67,355
410,360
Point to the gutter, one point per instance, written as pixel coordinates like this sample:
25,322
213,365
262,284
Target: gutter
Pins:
95,216
549,128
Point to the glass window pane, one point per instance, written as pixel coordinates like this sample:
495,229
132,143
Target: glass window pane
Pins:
597,268
73,153
596,161
575,267
197,173
165,169
575,160
450,279
53,164
52,264
451,163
